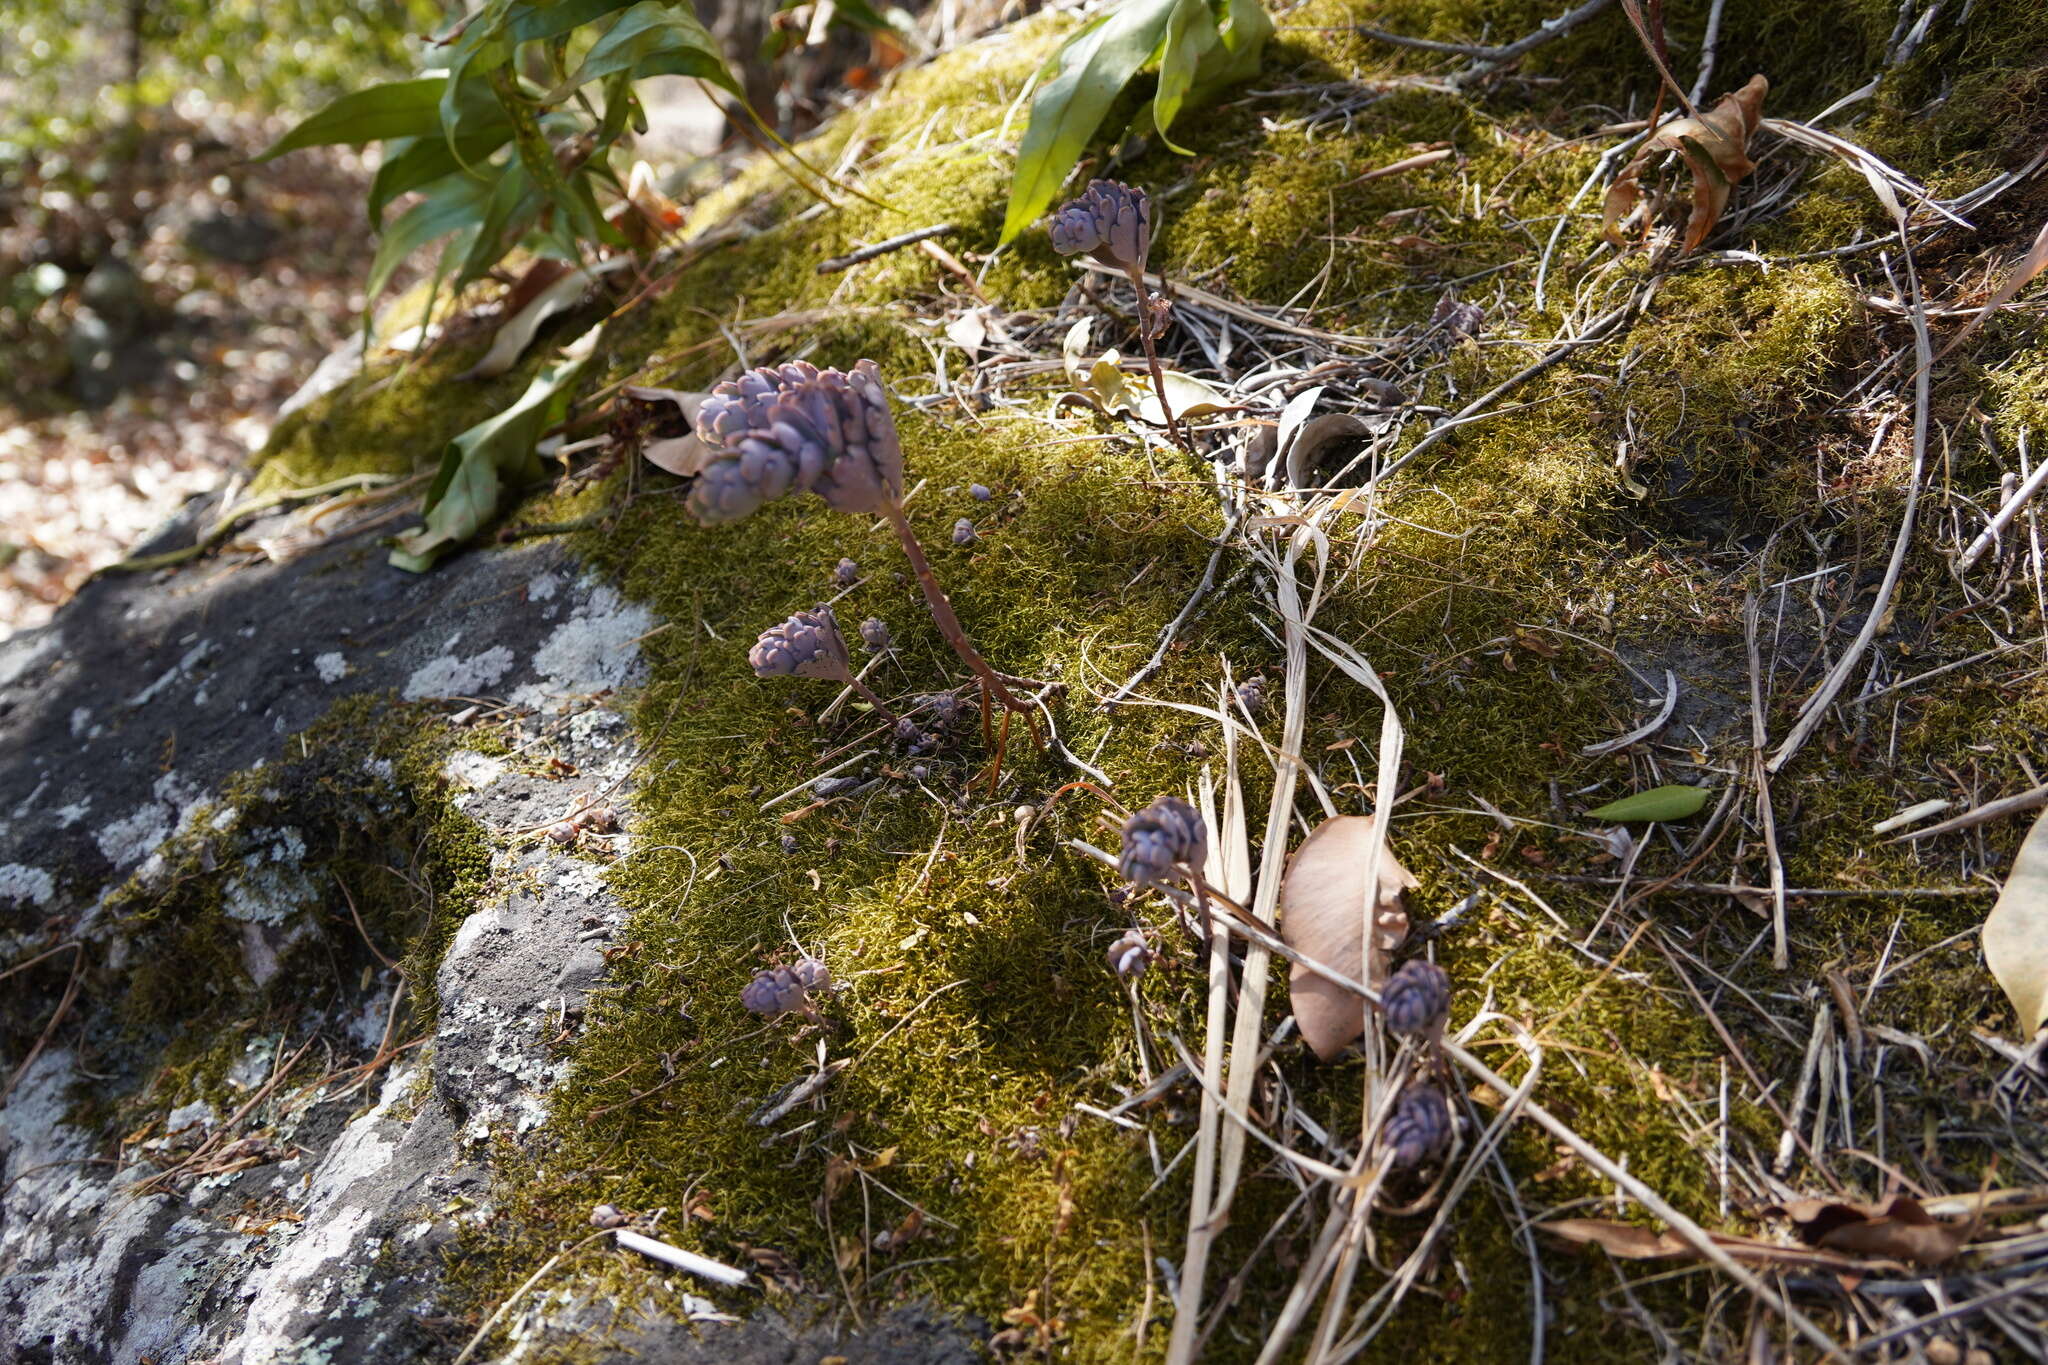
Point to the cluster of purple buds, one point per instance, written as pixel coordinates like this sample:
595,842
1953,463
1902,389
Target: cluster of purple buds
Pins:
944,707
1251,695
776,991
874,633
1416,999
1165,835
846,574
807,645
1130,955
964,532
1419,1127
1109,220
789,428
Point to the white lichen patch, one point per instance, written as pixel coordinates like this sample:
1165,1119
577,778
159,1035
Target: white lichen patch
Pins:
331,667
127,841
596,650
22,883
542,587
452,676
468,768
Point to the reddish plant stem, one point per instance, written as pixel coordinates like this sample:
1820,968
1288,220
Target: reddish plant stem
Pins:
1152,359
868,695
942,610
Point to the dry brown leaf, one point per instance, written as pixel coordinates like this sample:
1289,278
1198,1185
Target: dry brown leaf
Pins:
1633,1243
684,456
1716,149
1321,903
2016,932
1897,1229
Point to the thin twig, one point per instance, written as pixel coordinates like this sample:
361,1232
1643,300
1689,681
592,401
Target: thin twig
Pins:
883,248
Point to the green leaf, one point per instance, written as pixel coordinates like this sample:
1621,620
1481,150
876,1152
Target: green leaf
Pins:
513,201
400,109
1190,34
452,203
477,464
491,36
1095,65
1658,803
652,39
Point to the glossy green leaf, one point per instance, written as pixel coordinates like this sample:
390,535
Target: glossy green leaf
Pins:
452,204
1190,35
1095,65
478,464
1658,803
400,109
492,34
652,39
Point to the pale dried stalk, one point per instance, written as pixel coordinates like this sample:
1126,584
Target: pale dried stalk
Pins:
1816,707
1693,1234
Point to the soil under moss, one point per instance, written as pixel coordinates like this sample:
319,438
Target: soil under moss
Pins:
1521,559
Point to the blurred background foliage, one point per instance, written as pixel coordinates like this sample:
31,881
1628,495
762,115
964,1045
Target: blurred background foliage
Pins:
73,66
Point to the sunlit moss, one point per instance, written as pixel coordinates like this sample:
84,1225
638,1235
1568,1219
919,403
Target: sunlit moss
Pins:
1584,517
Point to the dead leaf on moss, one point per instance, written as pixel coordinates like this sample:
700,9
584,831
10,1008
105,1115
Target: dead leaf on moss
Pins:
1103,383
1632,1242
684,456
2016,932
1715,147
1322,917
1897,1229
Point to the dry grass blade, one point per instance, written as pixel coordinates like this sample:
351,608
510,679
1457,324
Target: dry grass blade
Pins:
2030,265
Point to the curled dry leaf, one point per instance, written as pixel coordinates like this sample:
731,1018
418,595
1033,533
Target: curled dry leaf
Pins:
1322,903
1897,1229
547,288
684,456
1103,383
1716,149
1633,1242
2016,932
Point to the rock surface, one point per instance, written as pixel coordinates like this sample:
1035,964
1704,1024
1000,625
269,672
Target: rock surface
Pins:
315,1226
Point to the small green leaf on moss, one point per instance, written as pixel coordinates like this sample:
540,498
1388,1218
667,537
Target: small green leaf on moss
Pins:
1658,803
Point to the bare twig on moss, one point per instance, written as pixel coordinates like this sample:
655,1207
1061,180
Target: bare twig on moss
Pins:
1990,810
883,248
1767,814
1489,58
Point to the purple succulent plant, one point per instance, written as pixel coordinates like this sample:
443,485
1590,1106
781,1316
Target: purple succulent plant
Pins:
776,991
1416,999
1419,1127
1130,955
789,428
794,427
809,645
1165,835
1111,221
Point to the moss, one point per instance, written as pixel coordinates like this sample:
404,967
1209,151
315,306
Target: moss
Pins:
1518,562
